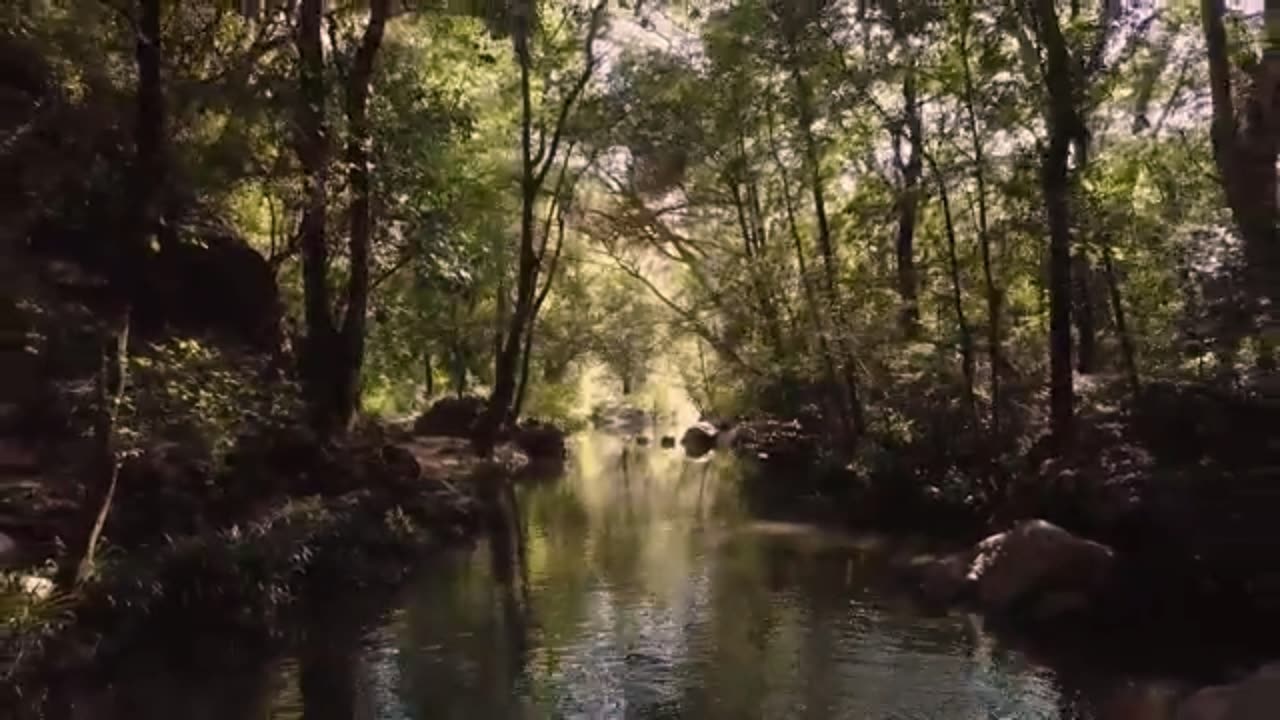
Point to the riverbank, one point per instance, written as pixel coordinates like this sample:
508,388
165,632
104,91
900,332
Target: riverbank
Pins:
359,515
1182,486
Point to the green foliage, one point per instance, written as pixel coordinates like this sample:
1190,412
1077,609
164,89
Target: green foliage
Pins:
28,618
184,390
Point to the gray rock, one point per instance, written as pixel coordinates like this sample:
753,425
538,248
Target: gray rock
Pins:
699,439
1257,697
1035,567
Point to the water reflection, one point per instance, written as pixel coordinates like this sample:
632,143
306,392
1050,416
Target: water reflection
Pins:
640,586
651,593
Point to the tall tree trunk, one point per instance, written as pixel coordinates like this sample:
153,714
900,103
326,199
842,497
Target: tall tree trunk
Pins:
507,361
908,209
826,245
1064,130
319,346
993,291
350,361
1246,152
535,164
523,387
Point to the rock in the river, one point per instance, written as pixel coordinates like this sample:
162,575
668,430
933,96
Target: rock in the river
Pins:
451,417
699,439
1038,562
1257,697
1035,568
542,442
642,440
668,441
943,580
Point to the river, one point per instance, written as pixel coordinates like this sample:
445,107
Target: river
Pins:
644,587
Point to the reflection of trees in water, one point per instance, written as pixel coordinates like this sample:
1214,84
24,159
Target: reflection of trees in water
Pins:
461,649
333,678
632,586
164,684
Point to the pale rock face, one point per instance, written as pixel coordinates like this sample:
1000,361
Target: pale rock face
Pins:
1211,703
1257,697
38,587
1038,556
1035,561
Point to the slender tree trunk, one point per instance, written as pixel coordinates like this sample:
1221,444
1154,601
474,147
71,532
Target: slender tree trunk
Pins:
527,354
534,167
429,373
751,250
908,210
319,346
1064,129
1086,323
350,362
512,339
148,177
993,292
112,381
1122,327
957,298
818,320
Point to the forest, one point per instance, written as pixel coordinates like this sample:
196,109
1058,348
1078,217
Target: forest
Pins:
935,266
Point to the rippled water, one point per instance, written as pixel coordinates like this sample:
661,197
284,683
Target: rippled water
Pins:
647,590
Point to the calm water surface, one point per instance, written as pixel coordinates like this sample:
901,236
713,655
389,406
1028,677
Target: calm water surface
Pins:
647,590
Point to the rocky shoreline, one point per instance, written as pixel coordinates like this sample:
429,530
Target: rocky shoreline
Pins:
1161,516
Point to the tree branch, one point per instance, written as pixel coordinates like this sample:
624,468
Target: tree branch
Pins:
589,66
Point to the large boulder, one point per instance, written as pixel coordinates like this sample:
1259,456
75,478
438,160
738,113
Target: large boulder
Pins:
699,439
541,442
200,281
1038,562
1257,697
214,282
451,417
1035,569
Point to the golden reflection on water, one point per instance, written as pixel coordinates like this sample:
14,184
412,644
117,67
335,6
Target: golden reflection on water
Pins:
652,592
